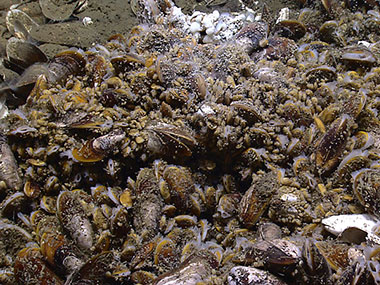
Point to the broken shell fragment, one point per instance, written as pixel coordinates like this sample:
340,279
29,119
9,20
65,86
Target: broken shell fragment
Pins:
340,224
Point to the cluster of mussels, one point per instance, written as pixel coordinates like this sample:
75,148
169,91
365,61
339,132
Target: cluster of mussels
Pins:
156,158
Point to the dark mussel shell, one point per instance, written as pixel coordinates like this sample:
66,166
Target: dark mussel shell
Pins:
65,64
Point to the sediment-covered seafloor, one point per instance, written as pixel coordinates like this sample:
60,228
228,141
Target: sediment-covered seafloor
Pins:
212,148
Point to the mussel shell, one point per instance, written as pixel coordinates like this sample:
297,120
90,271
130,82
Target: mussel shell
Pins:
58,10
94,270
9,231
197,267
251,35
65,64
248,110
181,186
367,189
170,142
22,54
147,210
19,23
87,153
292,29
8,165
126,62
256,199
332,144
278,48
315,264
30,268
328,31
358,56
323,72
73,218
243,275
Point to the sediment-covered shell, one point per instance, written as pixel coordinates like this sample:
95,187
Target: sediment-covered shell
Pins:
74,219
367,189
180,185
288,206
30,268
8,166
10,231
94,271
220,114
249,275
252,36
257,198
147,210
196,268
60,10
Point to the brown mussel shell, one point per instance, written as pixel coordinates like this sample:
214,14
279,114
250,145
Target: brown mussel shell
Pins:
30,268
332,144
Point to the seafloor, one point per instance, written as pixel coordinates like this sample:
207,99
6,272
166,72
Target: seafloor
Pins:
226,142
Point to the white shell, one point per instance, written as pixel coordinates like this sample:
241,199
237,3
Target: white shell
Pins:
365,222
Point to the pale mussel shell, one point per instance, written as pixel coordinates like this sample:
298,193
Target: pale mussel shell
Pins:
74,219
59,10
367,189
19,23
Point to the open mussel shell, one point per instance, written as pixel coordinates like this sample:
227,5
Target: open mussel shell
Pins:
22,54
19,89
58,10
292,29
19,23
